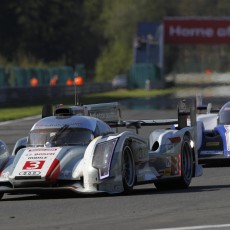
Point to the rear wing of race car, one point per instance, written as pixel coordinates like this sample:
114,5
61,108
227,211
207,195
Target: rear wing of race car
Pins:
108,112
186,110
111,114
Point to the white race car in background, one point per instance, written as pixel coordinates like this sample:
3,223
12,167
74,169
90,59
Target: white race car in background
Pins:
79,148
213,130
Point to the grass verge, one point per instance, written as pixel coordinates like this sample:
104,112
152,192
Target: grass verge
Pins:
16,113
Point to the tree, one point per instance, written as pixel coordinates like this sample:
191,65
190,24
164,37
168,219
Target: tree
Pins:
49,30
94,33
121,17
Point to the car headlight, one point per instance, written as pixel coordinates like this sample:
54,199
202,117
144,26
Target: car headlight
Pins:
102,157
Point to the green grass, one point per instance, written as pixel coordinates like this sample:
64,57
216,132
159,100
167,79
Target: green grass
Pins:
117,95
122,93
16,113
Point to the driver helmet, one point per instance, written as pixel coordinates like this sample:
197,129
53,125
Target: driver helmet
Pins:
224,114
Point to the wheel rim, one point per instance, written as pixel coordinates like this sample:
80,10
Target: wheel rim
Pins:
128,167
186,162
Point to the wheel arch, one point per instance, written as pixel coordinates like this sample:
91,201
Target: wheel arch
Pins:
132,140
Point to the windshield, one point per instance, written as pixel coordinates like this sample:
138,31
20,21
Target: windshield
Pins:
60,137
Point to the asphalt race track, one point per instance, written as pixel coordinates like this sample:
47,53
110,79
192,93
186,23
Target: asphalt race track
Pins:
205,205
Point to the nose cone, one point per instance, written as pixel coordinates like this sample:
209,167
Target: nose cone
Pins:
37,163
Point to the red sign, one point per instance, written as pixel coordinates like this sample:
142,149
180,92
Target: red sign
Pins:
197,30
31,165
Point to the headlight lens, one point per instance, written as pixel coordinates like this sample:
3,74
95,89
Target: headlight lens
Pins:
102,157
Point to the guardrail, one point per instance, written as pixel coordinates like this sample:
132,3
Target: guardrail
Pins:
48,94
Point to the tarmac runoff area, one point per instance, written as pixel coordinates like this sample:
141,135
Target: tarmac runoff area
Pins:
213,85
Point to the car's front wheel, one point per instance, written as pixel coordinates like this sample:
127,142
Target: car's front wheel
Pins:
127,169
186,164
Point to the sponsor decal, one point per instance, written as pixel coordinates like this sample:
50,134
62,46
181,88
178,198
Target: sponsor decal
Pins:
36,158
58,125
31,165
40,160
212,144
105,116
44,151
167,172
30,173
175,165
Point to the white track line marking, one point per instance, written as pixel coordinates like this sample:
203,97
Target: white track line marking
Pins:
196,227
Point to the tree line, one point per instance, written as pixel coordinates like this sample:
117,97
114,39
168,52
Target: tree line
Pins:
96,33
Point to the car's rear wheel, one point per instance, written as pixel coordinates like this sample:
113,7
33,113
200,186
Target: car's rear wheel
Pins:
127,169
186,169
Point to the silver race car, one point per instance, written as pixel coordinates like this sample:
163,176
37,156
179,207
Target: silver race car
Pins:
80,148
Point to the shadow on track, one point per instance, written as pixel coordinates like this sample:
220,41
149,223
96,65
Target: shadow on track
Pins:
136,192
192,189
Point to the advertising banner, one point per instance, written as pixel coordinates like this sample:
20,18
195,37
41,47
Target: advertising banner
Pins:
196,30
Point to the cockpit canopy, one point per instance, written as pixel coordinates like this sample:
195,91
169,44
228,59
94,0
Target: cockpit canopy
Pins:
60,137
63,131
224,114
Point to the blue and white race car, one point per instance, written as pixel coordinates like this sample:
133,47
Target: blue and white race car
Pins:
80,148
214,136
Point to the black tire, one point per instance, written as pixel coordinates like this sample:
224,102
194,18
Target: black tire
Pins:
127,169
186,164
1,195
186,169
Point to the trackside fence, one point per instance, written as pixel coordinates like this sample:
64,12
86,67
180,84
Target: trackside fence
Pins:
47,94
21,77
